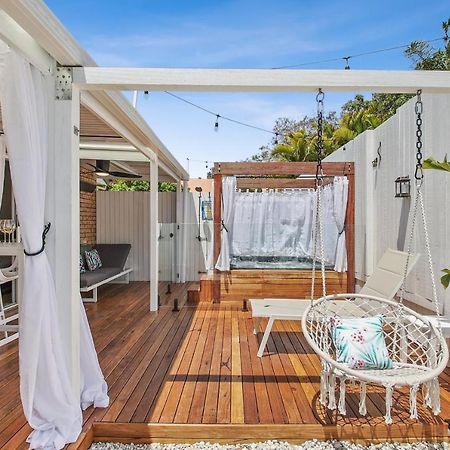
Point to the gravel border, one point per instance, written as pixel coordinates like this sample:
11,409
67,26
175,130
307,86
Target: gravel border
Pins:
274,445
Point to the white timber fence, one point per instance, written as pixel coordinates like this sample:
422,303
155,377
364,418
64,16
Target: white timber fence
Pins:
381,220
123,217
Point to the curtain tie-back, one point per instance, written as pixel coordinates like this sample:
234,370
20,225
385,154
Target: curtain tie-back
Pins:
224,227
44,234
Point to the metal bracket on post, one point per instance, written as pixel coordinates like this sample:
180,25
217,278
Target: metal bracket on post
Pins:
63,83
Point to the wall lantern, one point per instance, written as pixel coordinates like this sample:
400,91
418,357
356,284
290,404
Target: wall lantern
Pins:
402,187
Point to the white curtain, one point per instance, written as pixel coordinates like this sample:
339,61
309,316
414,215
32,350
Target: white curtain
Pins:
340,197
50,406
272,224
228,196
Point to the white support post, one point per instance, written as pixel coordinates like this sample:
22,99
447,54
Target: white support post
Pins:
179,234
62,210
154,263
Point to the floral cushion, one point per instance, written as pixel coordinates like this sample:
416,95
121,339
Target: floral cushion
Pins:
82,266
360,343
93,260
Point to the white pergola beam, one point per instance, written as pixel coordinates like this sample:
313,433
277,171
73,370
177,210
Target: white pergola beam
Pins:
16,37
261,80
120,153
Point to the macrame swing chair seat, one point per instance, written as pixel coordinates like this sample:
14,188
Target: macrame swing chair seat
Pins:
415,345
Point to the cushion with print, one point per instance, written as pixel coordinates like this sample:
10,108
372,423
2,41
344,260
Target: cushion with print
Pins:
93,260
360,342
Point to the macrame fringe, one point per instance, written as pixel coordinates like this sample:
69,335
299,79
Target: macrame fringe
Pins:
389,392
323,388
362,398
332,391
341,407
413,401
431,396
435,397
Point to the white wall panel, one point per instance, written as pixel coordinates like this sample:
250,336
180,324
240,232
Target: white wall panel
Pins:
381,220
123,217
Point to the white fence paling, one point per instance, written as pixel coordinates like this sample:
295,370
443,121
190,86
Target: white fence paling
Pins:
381,220
123,217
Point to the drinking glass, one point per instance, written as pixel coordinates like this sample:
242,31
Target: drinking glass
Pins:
2,229
9,228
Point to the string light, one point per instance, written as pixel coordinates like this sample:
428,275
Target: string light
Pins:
216,125
347,65
356,55
274,133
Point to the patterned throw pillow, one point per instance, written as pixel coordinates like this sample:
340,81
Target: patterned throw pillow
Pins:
82,267
360,343
93,260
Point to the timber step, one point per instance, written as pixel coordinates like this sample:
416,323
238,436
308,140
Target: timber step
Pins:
239,285
247,433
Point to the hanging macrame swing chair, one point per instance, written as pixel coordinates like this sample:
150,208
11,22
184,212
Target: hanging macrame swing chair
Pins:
416,348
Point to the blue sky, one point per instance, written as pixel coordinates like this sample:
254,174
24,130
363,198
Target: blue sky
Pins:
241,34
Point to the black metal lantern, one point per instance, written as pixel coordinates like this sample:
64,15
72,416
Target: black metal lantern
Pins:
402,187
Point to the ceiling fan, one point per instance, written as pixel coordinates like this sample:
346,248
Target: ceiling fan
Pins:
101,169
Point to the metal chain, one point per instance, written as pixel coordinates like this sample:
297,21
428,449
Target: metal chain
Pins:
318,229
419,179
319,171
418,202
419,110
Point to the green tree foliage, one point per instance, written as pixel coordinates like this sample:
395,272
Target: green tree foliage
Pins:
296,140
140,185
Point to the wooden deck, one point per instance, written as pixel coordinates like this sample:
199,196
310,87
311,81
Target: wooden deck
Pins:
193,375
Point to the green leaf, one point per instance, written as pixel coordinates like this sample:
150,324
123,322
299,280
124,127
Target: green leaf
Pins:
445,279
431,163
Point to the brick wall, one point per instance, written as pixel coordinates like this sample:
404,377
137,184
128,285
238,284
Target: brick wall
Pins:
88,222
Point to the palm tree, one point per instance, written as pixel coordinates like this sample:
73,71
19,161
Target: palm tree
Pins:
297,148
355,123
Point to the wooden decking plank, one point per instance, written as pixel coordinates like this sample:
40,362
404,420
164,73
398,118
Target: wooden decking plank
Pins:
168,354
201,385
224,400
127,377
184,405
262,397
180,376
156,411
212,392
237,395
277,405
293,380
147,370
248,385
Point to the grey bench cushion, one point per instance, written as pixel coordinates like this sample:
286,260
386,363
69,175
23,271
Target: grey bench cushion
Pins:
90,278
113,255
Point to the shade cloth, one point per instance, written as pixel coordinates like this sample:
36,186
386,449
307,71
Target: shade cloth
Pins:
281,224
228,200
50,405
272,224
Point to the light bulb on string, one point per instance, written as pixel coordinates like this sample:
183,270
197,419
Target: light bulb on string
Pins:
347,64
216,125
276,138
146,95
